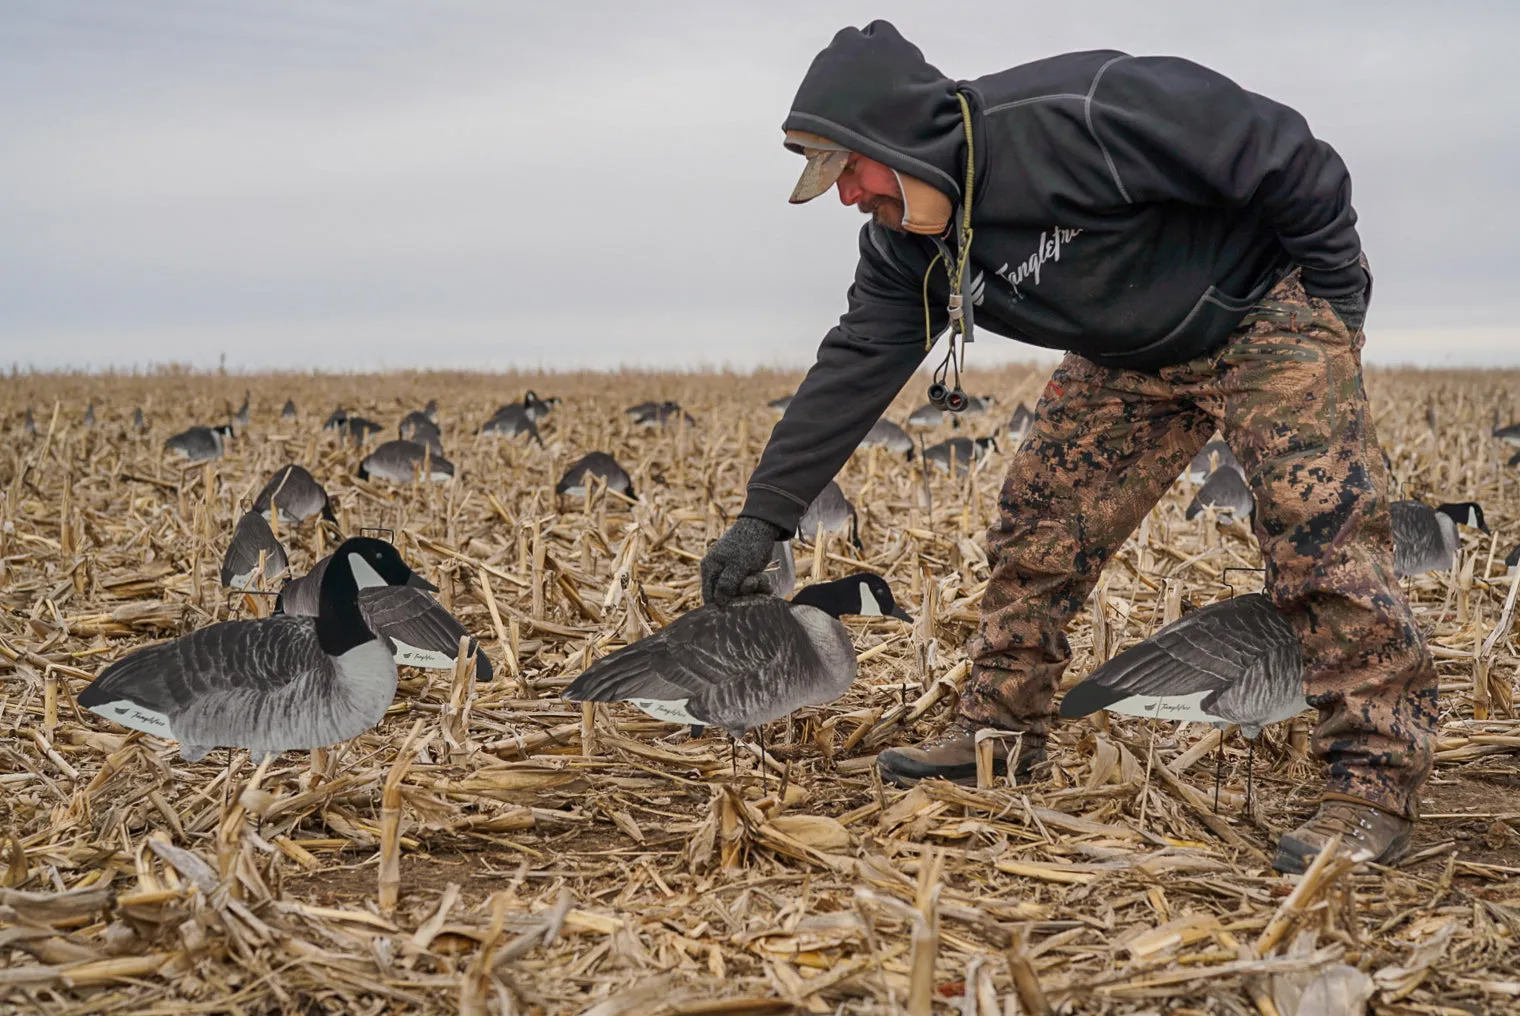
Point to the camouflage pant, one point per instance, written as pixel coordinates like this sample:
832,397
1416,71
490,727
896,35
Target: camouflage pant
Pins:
1286,391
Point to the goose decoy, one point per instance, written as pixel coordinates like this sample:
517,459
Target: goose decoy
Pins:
139,423
1426,539
663,414
289,412
976,404
419,427
886,434
746,664
30,423
830,512
598,464
1512,561
403,462
419,631
926,416
781,403
1226,489
1019,424
296,495
1213,456
642,409
538,408
512,420
1237,661
354,427
269,685
431,410
241,417
200,444
240,565
1509,434
962,451
89,415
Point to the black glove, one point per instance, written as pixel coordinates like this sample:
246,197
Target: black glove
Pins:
733,564
1352,310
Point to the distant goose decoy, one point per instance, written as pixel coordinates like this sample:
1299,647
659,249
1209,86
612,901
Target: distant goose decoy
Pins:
977,404
538,408
431,410
400,462
356,428
661,414
830,512
241,417
289,412
741,666
1019,424
512,420
1226,489
1509,434
296,494
1213,456
962,450
1426,539
886,434
926,416
200,444
595,464
781,403
89,415
30,423
139,424
1512,561
240,565
269,685
419,427
419,631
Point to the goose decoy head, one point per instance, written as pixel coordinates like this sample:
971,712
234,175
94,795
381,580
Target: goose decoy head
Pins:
1465,513
864,593
378,563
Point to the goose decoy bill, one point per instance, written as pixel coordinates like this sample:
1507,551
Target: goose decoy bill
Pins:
595,464
1426,539
199,444
741,666
240,565
404,462
1225,489
296,494
274,684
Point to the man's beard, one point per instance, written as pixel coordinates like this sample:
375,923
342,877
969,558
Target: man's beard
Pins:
886,212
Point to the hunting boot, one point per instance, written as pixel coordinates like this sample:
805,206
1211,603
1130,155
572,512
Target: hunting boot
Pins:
1367,832
951,755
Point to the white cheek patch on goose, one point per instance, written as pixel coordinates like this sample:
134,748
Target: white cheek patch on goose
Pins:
429,659
868,605
669,711
135,717
364,573
1472,518
1176,708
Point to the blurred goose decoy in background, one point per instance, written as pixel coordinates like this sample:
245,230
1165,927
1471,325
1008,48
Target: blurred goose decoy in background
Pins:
402,461
663,414
598,464
512,420
289,412
642,409
1426,539
962,450
830,512
240,565
296,494
1019,424
781,403
356,428
538,408
978,404
886,434
1225,489
741,666
1509,434
419,631
89,415
1213,456
30,423
1512,561
200,444
926,416
431,410
269,685
419,427
139,422
241,417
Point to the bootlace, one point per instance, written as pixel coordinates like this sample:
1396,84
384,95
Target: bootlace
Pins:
1343,819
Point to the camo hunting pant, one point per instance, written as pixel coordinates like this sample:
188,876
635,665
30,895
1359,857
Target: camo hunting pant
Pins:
1286,391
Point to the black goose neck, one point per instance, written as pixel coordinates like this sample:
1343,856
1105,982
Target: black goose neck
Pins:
833,598
340,624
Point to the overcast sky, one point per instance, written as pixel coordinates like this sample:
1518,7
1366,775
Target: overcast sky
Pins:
567,184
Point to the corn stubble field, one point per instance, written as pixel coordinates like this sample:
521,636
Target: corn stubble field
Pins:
494,849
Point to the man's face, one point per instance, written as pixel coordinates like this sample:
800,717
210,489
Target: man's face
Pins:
873,188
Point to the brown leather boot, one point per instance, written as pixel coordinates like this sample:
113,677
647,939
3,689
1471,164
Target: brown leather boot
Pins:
951,755
1367,832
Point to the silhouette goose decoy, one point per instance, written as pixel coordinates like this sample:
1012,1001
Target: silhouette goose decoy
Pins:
1019,424
240,564
1226,489
830,512
289,412
1237,661
269,685
595,464
1213,456
139,423
1426,539
403,462
199,444
419,427
741,666
419,631
886,434
295,494
512,420
962,450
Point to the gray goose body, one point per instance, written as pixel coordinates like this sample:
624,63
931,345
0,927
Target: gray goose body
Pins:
962,450
512,420
295,494
1226,488
1425,538
886,434
743,665
416,627
1213,456
419,427
401,461
241,562
269,685
1238,661
1509,434
597,464
926,416
198,444
830,512
661,414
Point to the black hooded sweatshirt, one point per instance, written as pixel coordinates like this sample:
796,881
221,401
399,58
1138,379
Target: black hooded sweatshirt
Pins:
1127,209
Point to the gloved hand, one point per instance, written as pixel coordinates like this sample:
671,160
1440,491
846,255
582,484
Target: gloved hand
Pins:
1352,310
733,564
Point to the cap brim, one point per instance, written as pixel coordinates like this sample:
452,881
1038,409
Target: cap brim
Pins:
820,173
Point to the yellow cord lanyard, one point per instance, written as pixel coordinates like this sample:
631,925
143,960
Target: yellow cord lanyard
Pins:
962,318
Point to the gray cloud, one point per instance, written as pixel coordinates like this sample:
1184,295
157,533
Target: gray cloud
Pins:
341,184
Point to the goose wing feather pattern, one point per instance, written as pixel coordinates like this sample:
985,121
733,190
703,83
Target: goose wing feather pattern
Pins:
421,631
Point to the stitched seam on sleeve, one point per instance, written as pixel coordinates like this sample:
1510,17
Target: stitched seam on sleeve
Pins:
1087,114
